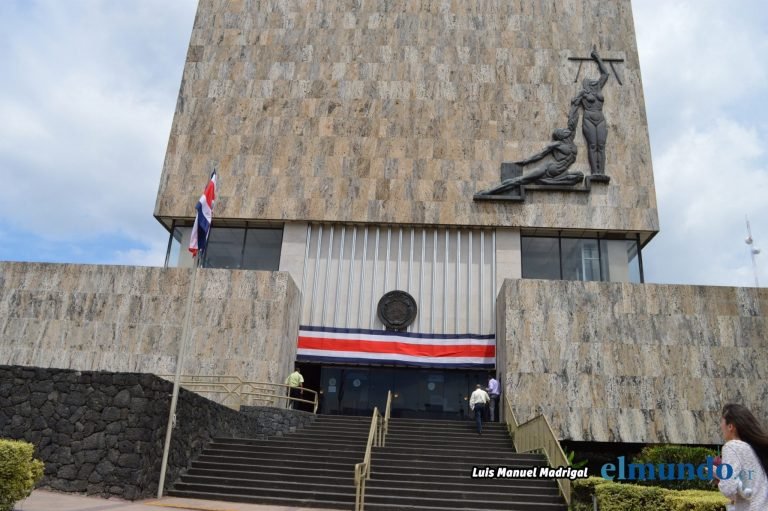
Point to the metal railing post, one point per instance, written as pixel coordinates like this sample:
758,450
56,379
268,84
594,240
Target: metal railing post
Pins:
537,435
241,390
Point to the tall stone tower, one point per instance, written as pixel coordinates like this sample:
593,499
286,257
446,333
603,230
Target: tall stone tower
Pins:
489,159
413,193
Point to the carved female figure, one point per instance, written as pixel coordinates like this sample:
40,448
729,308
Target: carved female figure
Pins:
593,123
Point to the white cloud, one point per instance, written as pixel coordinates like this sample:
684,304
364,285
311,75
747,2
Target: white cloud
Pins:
152,256
705,77
708,181
89,91
698,58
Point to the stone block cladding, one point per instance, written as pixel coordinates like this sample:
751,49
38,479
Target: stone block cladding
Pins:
615,362
400,111
121,318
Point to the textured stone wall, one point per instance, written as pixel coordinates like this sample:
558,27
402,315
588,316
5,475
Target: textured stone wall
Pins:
400,110
103,433
119,318
615,362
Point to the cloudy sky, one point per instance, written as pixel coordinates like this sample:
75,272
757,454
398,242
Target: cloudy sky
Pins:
88,89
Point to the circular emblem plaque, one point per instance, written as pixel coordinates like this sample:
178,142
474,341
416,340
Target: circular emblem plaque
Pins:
397,310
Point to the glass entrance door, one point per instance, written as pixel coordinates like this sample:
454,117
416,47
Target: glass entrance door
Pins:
417,393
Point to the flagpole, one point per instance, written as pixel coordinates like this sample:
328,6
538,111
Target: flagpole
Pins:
197,246
177,377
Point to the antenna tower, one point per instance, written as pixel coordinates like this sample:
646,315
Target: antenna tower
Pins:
753,251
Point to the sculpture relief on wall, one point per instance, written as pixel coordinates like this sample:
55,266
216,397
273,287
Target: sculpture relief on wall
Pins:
548,169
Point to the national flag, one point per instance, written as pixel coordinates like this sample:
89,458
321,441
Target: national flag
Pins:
198,240
353,345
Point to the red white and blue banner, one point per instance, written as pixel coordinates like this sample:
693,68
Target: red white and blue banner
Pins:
352,345
202,227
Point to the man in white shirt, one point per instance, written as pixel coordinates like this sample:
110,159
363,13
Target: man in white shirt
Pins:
494,393
477,403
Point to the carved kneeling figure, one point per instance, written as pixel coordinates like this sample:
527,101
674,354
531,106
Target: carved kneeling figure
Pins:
563,151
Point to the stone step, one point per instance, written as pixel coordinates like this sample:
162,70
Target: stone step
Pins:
226,471
297,441
290,486
444,426
478,500
313,493
424,466
306,470
232,495
271,463
272,446
422,506
454,436
292,456
465,484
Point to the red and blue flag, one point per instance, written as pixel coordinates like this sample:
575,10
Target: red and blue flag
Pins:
202,227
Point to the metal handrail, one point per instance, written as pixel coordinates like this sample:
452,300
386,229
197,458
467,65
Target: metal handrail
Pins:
387,411
363,470
234,387
377,437
536,435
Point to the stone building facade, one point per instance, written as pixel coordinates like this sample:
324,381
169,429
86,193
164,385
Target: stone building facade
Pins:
350,138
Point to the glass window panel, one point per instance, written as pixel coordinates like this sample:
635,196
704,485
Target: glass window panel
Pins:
540,258
605,261
633,261
417,393
353,392
262,249
581,259
225,248
620,261
178,255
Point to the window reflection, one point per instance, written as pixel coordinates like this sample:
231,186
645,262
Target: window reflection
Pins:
581,259
585,259
229,247
178,256
620,260
422,393
262,249
225,248
541,259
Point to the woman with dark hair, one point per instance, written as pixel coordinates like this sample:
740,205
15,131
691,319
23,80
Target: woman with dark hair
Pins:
746,451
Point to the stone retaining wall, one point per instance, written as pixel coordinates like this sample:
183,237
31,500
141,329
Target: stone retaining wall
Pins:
641,363
103,433
130,319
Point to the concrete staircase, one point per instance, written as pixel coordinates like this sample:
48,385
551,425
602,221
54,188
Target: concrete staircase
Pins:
425,465
311,467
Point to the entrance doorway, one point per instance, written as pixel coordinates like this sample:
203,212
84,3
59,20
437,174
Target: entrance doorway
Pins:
426,393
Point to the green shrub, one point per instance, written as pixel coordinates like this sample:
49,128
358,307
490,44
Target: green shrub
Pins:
612,496
629,497
695,500
674,454
19,472
583,489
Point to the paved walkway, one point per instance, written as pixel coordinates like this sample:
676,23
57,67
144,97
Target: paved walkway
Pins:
42,500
